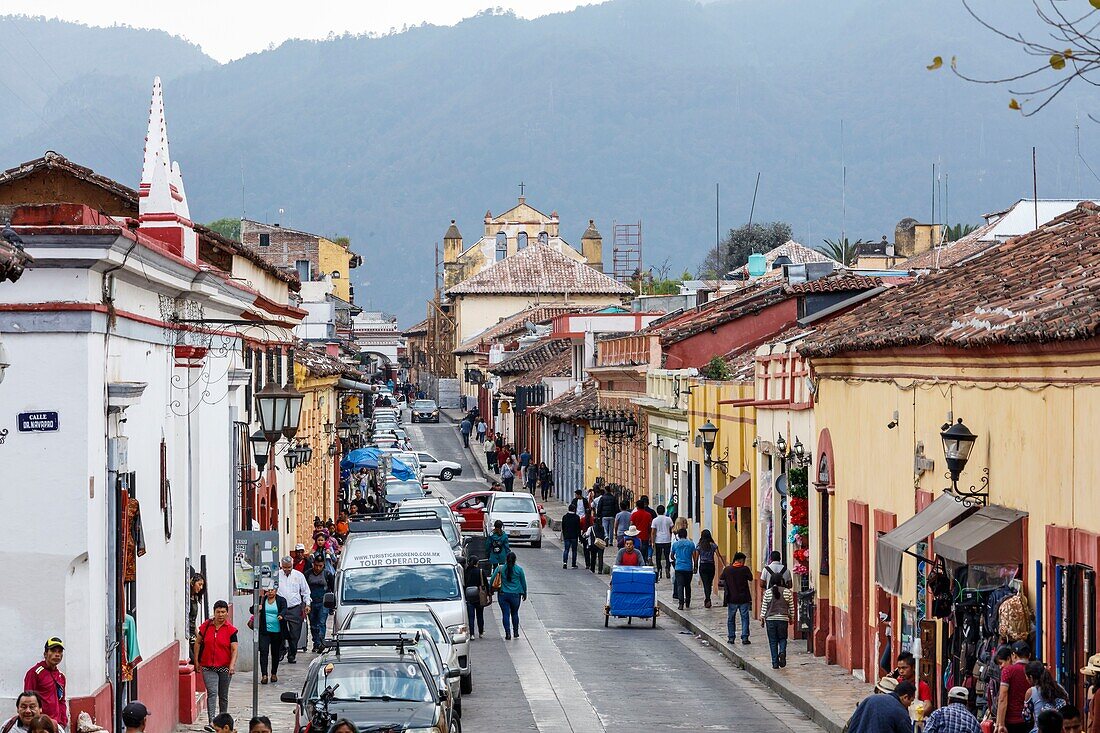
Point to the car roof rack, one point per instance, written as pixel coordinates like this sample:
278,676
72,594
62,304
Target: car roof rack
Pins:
352,638
389,523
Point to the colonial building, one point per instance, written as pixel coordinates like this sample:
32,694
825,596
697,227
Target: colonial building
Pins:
1000,351
512,232
311,256
148,337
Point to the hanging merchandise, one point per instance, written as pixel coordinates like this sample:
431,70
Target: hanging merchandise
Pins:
1014,618
800,519
939,586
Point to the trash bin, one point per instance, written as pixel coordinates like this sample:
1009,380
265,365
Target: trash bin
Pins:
806,616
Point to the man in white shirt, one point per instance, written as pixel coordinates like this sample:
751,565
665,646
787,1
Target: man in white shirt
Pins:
295,590
661,529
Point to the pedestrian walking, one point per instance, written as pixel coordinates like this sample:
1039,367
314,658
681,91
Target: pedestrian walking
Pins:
737,597
508,474
216,660
606,509
775,566
1013,693
502,454
597,542
270,620
28,705
622,522
630,555
1045,693
707,548
45,679
579,504
661,531
531,478
134,716
524,465
465,427
642,520
474,576
320,580
511,585
223,723
955,716
490,449
684,556
194,606
1091,672
496,545
570,535
295,591
886,710
776,613
546,480
482,428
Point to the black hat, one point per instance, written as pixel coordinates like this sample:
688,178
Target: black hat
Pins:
134,714
1022,649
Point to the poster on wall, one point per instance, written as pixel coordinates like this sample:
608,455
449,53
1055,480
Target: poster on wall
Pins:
251,549
908,627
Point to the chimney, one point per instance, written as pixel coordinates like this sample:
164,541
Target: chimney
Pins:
332,348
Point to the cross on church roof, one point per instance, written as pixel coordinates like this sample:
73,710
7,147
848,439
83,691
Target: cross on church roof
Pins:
521,187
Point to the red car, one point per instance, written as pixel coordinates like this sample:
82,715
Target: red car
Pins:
471,507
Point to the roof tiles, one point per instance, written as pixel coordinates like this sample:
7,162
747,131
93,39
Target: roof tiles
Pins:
539,269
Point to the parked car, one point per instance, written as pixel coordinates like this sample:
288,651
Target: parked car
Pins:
433,467
376,688
425,411
435,507
471,507
520,515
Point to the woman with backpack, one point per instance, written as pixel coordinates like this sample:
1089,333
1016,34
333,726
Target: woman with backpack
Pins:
496,545
776,613
510,584
1045,693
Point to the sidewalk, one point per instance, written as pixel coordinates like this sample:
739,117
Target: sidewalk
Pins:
827,694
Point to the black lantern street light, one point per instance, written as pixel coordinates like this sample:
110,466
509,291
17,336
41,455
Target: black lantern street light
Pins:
801,457
332,450
344,430
291,458
958,442
781,446
708,431
307,453
292,400
271,408
261,449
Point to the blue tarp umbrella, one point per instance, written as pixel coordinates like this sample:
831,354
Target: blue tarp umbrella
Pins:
361,458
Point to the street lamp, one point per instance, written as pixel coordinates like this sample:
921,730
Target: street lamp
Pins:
800,456
291,458
307,452
958,442
344,430
781,446
270,407
329,428
261,448
708,431
292,400
332,450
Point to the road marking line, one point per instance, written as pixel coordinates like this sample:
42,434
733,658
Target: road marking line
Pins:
557,700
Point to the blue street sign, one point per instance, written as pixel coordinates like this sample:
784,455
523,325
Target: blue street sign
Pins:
38,422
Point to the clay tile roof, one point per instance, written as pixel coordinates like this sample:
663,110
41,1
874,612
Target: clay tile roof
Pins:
1041,287
52,160
539,269
288,276
512,325
836,284
798,254
952,253
560,365
320,364
571,405
417,329
531,357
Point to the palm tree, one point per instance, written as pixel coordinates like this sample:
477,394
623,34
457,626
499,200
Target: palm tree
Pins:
841,250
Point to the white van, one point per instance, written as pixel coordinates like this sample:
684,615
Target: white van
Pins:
390,561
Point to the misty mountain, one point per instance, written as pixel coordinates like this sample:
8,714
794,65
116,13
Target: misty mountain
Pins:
631,110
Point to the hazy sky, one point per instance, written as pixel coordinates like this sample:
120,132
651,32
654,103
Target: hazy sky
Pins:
229,29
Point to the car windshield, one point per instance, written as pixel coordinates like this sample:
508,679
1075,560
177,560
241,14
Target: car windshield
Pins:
399,491
376,681
424,405
415,620
521,504
450,531
400,584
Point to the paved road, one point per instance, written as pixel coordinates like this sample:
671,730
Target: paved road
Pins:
567,672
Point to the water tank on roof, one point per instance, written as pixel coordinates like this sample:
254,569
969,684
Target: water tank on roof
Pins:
758,265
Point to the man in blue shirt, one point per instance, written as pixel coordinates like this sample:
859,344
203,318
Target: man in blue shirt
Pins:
684,556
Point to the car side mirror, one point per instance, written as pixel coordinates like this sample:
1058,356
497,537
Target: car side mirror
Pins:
459,638
459,519
428,491
454,674
330,601
291,697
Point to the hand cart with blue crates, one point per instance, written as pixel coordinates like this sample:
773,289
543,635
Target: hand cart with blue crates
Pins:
633,594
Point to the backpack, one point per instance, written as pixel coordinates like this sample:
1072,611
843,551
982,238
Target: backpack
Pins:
993,603
1014,618
778,606
496,545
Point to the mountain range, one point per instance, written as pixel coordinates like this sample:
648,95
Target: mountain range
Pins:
627,111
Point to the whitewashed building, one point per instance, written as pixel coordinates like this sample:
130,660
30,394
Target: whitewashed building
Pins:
136,341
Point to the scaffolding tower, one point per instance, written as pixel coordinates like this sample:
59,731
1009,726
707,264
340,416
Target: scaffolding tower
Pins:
440,342
626,252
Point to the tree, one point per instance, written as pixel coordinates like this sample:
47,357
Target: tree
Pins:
717,368
342,241
957,232
741,242
841,250
227,227
1071,51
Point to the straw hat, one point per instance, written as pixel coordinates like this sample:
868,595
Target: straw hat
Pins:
632,531
886,684
1093,665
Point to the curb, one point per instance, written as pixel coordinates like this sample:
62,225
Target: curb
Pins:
811,707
